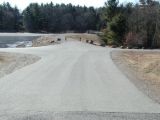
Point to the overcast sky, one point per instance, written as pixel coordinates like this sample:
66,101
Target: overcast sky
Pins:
21,4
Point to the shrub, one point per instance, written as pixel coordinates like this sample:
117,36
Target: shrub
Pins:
135,39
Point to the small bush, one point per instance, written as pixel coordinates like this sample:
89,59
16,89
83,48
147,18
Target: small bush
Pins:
134,40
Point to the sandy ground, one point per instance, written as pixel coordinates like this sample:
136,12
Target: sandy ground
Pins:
52,39
143,67
44,41
9,62
84,37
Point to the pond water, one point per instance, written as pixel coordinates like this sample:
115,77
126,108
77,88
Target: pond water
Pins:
15,41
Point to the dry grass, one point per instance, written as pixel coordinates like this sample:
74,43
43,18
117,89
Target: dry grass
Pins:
144,67
145,64
43,41
85,37
9,62
1,59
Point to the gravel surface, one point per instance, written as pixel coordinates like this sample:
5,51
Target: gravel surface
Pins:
84,115
72,76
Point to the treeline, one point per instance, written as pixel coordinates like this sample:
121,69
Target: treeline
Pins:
60,18
129,25
132,25
49,18
10,18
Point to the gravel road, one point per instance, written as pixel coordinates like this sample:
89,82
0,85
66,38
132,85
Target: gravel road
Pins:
72,76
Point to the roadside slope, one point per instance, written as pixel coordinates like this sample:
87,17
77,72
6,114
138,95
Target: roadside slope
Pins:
142,67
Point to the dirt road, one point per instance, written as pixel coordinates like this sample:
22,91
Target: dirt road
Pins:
71,76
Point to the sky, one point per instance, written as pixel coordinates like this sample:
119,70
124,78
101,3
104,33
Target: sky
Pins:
22,4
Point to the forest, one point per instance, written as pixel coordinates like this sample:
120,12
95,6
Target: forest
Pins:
132,25
129,25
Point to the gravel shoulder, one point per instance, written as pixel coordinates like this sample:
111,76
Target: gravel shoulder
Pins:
142,68
10,62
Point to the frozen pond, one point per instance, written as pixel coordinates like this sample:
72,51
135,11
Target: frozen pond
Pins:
17,39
